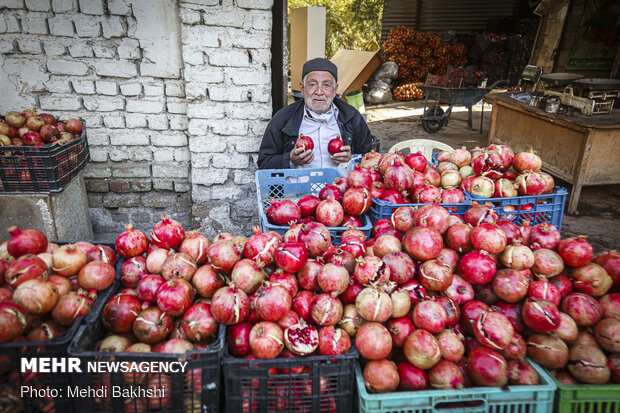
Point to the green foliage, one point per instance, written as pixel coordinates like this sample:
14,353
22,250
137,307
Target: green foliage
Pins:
351,24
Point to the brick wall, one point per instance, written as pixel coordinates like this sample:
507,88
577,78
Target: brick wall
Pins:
175,95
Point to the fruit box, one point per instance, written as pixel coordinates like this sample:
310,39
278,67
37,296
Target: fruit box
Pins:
534,208
293,184
579,398
301,384
383,209
12,378
508,399
197,389
42,169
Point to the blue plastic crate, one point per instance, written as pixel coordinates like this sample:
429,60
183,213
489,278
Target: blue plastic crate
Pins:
295,183
509,399
547,208
384,209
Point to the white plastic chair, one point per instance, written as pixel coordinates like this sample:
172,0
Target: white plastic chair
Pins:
426,146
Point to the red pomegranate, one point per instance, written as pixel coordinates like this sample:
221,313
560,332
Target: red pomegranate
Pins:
545,235
492,329
356,201
576,251
411,377
131,243
272,301
489,237
333,341
68,259
335,145
326,310
230,305
381,376
430,316
304,142
477,267
301,339
28,241
487,367
223,255
526,161
423,243
266,340
175,296
422,349
373,341
540,315
284,212
120,312
329,191
27,267
96,275
291,256
359,178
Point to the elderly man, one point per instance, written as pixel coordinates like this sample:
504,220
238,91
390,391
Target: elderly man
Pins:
318,116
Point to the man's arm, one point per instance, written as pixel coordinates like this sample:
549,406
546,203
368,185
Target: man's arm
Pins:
270,154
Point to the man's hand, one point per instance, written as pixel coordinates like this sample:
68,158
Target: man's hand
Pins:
301,157
343,156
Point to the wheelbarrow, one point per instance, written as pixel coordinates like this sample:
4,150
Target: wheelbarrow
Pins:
434,117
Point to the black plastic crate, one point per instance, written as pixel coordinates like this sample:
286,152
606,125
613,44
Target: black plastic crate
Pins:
12,378
302,384
195,390
42,169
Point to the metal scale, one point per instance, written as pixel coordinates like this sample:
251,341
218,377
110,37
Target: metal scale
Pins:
590,96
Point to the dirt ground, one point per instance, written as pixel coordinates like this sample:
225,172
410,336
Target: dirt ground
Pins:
599,206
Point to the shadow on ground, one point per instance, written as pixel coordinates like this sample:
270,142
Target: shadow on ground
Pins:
599,206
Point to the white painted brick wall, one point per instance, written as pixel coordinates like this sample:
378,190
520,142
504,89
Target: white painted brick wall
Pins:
84,87
192,122
120,7
116,68
94,7
87,26
80,49
61,26
64,6
131,89
107,87
29,46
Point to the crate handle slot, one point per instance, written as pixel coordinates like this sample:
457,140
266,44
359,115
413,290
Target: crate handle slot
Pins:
472,406
306,372
297,179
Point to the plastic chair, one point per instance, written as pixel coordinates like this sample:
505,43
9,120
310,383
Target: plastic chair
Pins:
426,146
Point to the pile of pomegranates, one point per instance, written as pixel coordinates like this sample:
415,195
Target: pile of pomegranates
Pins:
484,173
45,287
472,297
28,128
496,171
340,204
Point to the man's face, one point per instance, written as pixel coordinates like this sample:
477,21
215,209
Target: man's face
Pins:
319,90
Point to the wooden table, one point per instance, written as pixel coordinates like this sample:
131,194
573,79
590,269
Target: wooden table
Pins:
582,150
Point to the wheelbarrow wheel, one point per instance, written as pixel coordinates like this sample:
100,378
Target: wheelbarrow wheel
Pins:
432,126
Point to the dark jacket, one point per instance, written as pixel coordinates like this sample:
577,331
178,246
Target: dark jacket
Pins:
283,130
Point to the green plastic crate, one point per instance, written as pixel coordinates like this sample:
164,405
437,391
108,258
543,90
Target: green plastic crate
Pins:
585,398
510,399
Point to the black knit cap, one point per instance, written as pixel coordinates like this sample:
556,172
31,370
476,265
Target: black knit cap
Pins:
320,64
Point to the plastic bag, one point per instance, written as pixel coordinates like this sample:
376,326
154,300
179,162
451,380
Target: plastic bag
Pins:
388,70
379,84
377,95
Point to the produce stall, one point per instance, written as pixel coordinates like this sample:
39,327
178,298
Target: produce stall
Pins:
579,149
416,284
